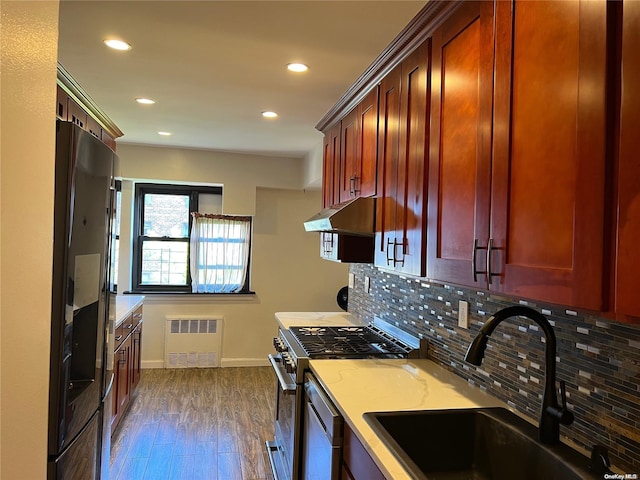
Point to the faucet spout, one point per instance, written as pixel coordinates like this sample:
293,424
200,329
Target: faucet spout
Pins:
551,413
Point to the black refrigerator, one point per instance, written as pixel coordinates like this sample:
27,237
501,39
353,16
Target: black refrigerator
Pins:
81,372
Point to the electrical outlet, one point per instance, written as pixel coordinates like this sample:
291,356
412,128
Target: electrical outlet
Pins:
352,280
367,284
463,314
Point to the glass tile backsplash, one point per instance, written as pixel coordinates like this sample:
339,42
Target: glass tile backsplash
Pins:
599,359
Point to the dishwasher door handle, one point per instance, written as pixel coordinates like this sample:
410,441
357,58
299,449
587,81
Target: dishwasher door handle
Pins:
287,388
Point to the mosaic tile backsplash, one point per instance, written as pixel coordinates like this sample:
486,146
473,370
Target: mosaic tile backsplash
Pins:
598,359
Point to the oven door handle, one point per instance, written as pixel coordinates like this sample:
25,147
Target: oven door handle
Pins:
287,388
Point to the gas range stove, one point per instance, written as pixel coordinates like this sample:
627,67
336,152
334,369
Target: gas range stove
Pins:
296,346
348,342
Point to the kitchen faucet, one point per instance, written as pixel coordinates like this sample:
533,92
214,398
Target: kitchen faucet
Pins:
551,414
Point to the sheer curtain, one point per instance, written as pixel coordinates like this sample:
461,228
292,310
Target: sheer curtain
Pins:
219,252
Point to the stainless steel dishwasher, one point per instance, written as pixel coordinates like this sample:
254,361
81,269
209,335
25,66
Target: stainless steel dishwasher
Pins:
322,434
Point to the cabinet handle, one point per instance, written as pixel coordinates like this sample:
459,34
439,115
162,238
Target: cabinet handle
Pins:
390,259
490,250
393,258
118,338
404,252
474,259
353,191
128,327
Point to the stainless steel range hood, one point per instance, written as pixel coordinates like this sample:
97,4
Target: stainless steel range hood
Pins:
354,217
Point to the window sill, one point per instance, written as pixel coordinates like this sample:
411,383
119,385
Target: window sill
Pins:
187,297
167,292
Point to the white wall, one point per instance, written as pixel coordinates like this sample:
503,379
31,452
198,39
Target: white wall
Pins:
287,272
312,173
29,38
240,174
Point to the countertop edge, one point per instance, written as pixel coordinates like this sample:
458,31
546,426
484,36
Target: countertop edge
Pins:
125,305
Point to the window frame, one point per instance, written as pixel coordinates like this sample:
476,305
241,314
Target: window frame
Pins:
192,191
115,237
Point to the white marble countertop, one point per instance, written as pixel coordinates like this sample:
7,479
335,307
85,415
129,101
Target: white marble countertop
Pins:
359,386
316,319
124,306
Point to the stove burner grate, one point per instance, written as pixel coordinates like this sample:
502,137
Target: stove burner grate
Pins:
347,342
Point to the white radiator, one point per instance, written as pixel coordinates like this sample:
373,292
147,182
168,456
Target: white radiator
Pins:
192,341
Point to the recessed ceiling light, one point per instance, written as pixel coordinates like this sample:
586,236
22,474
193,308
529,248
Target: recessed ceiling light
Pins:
297,67
165,134
269,114
145,101
117,44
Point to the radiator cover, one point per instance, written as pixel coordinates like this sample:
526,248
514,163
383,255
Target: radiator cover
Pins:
193,341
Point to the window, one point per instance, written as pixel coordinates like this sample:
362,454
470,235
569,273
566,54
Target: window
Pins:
165,254
115,239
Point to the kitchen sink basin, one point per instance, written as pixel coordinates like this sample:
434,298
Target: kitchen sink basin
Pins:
484,443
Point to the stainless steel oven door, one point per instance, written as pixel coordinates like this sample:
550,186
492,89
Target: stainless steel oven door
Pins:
284,451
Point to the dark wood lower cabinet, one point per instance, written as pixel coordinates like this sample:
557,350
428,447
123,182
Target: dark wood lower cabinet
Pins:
357,464
127,365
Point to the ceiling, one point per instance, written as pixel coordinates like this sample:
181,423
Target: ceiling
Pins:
213,66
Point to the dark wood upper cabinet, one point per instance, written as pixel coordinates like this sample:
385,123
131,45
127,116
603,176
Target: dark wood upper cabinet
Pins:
517,200
460,148
358,146
330,166
627,205
549,152
516,124
402,160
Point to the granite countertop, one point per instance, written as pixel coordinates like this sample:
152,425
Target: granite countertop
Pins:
359,386
317,319
124,306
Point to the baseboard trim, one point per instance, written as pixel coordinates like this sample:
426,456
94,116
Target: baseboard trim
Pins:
152,364
225,362
244,362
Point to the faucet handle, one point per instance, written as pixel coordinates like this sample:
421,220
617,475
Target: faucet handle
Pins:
562,413
600,463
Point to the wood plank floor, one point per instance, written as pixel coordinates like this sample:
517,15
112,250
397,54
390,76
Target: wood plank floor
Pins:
197,424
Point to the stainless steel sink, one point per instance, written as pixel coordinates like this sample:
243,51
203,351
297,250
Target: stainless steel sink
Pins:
485,443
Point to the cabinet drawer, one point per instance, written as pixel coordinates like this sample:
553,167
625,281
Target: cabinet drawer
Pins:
120,336
137,316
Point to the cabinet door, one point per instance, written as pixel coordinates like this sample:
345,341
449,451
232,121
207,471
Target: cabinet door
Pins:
460,148
122,382
388,143
411,198
348,156
330,166
365,175
136,357
358,464
358,147
402,161
547,205
627,254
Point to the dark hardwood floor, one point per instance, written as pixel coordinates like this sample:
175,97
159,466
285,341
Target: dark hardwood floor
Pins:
197,424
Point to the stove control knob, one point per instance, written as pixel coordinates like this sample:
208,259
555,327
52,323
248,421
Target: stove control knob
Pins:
279,345
289,364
